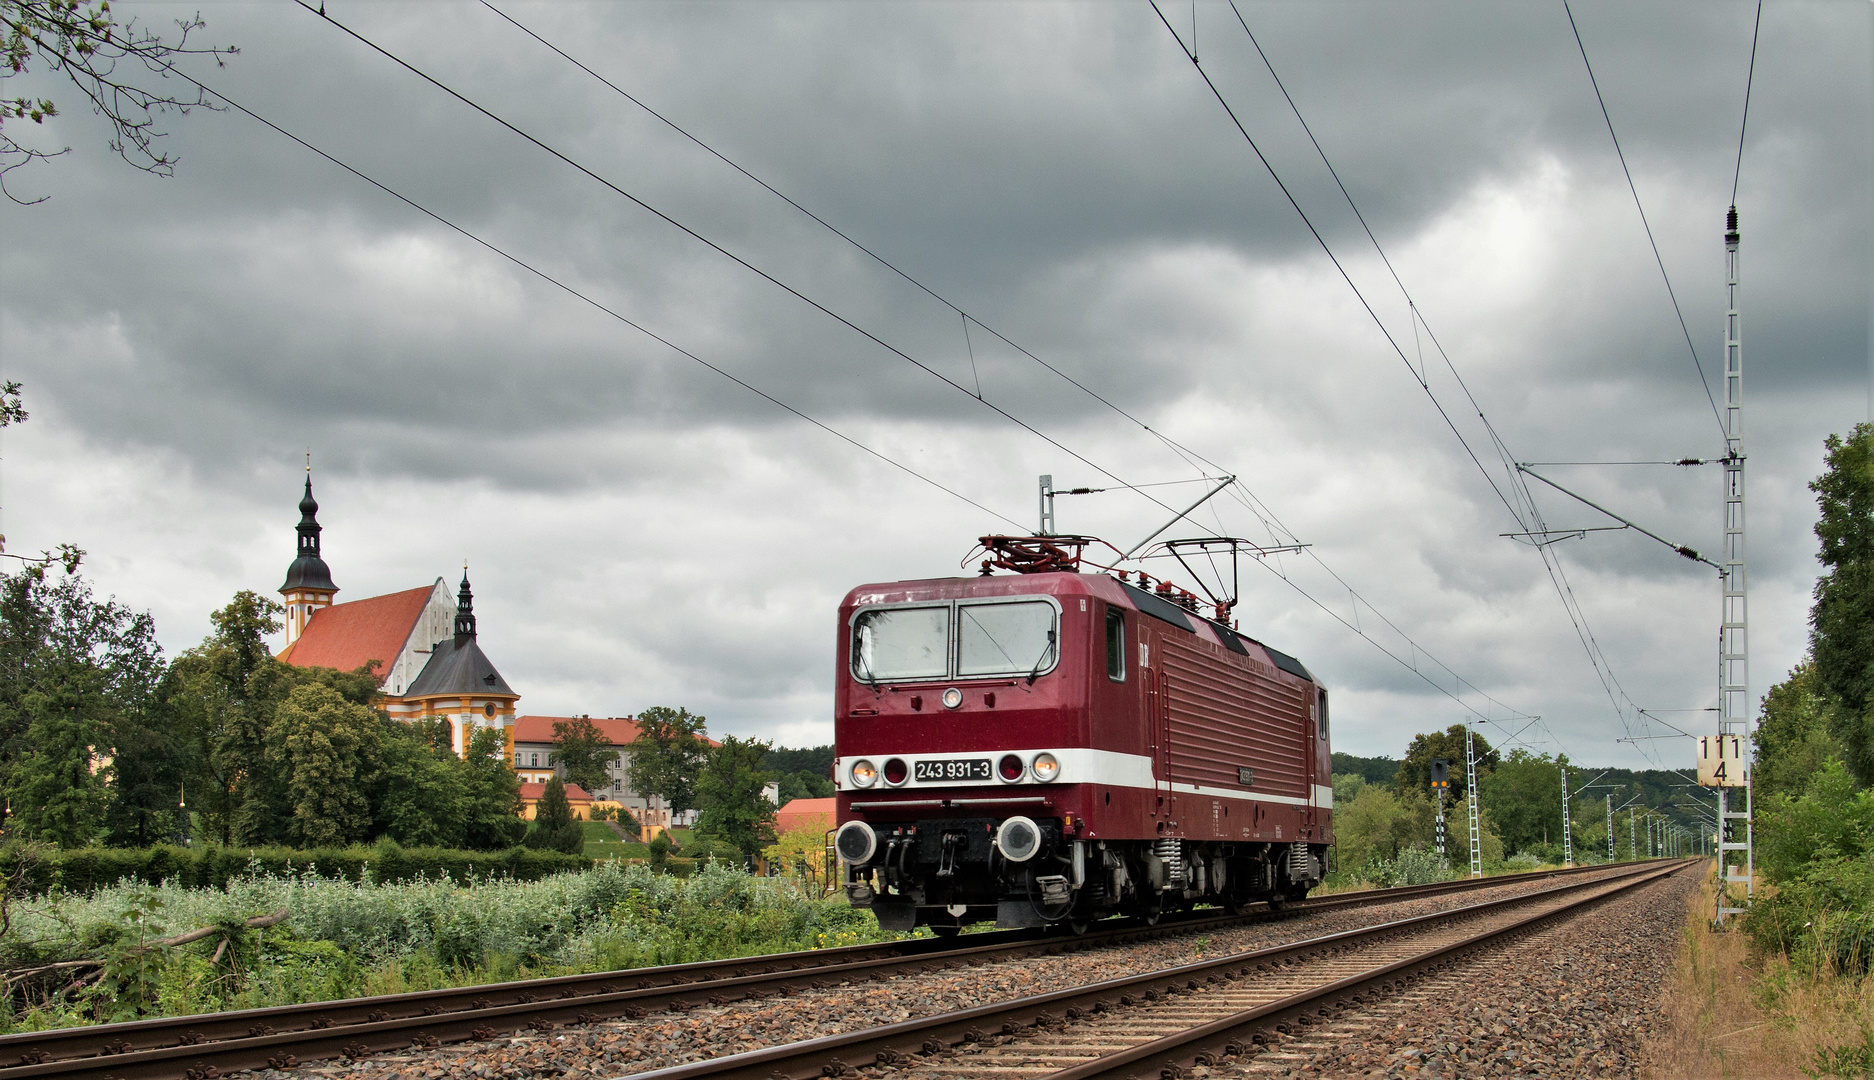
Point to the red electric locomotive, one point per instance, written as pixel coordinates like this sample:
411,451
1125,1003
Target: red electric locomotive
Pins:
1054,746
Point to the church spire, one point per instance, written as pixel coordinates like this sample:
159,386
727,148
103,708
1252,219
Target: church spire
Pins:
309,585
464,611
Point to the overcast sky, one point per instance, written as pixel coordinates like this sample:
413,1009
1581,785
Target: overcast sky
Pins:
641,530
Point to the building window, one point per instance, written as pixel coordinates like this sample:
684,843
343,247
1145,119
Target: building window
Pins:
517,759
618,785
535,762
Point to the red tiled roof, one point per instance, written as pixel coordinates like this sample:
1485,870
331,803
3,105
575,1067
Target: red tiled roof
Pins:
539,729
622,730
347,636
574,793
799,813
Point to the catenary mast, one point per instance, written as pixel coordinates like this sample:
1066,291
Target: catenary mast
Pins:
1734,702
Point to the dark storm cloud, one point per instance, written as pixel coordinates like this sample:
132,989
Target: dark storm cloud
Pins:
1062,173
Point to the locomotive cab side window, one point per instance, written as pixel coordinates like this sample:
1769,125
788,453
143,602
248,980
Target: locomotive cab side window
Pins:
1320,716
901,643
1115,644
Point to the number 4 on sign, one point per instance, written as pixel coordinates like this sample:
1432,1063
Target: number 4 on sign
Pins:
1720,761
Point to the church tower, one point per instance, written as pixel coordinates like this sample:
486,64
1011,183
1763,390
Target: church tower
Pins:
308,581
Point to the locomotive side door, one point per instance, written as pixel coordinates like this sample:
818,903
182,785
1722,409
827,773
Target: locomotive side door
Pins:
1156,719
1310,818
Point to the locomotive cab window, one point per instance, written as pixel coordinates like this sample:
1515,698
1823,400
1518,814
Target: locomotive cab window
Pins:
1115,645
901,643
1006,639
1320,716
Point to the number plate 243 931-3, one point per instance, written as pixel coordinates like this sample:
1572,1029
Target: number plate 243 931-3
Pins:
951,769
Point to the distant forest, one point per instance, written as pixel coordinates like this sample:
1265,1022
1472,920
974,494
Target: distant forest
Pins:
1374,770
817,760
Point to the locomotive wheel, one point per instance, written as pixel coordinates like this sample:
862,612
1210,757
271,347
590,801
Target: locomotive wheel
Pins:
1079,924
1277,901
1150,914
945,931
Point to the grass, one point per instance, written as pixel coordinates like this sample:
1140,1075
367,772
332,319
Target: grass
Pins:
603,843
1731,1013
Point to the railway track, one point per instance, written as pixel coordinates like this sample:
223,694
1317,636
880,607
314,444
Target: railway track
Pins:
205,1045
1165,1022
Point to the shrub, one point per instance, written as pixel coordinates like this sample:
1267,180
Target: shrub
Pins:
85,870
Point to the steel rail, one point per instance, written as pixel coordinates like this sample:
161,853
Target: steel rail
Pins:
909,1041
254,1038
1233,1035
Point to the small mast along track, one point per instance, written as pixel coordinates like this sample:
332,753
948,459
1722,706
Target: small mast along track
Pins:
1208,1011
293,1034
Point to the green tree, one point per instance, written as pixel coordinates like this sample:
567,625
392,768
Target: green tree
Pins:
734,808
77,675
805,785
1842,619
584,752
421,793
1415,772
1378,823
492,801
222,695
667,756
554,827
12,409
1523,796
325,749
1793,740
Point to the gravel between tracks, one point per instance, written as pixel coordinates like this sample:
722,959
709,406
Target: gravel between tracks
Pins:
1576,999
617,1047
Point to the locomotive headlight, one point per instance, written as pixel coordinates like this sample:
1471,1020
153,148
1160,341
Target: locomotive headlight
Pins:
895,772
1046,767
864,773
953,698
1010,768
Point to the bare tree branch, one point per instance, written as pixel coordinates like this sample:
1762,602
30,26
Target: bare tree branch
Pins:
82,40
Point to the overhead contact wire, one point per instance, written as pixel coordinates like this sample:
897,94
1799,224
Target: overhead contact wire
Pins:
725,252
1196,461
1173,445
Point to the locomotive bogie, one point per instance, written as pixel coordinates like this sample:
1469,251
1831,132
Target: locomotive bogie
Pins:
1056,747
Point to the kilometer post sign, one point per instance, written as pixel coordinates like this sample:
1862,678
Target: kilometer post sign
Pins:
1720,761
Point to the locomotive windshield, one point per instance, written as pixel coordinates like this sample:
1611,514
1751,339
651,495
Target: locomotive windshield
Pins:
901,643
1005,639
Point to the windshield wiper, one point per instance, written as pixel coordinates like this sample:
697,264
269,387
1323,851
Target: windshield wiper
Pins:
1046,653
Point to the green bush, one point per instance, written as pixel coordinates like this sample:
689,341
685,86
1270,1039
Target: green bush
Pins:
85,870
1818,849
